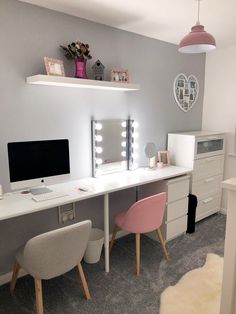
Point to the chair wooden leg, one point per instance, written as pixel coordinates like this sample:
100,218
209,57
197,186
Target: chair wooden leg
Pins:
84,282
115,230
137,238
39,296
162,244
14,276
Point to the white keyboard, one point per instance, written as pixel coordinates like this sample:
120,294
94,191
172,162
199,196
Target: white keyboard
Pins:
48,196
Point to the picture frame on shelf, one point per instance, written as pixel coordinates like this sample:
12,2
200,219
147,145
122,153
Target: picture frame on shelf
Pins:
164,157
120,75
54,66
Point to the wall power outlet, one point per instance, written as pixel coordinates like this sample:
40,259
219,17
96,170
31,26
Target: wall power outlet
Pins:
66,214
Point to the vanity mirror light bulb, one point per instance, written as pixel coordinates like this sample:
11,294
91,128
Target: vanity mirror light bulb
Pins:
135,135
98,150
98,138
123,124
123,153
135,156
134,145
123,144
135,124
123,134
99,161
98,126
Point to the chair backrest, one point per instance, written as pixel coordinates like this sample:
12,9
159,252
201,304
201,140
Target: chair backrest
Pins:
55,252
145,215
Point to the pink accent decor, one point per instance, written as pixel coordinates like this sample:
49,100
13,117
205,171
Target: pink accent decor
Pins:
198,40
160,165
80,68
143,216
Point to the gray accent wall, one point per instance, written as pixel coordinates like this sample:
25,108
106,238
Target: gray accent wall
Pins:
28,33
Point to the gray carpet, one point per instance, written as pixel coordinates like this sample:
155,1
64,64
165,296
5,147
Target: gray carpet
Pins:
121,291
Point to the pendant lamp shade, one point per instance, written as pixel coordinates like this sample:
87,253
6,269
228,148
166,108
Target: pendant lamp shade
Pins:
198,40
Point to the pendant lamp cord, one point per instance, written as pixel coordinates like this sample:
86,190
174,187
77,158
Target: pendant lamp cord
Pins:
198,13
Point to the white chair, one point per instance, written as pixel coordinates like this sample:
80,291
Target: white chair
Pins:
52,254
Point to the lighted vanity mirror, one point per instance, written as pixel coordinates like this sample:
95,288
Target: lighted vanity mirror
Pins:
111,146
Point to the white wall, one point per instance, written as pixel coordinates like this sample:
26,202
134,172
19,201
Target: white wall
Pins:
219,107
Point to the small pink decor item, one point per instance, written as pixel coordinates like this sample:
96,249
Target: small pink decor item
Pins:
160,165
80,68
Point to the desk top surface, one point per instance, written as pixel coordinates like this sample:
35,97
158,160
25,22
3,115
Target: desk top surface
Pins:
229,184
17,204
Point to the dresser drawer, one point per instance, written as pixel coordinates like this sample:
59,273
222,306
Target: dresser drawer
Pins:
207,185
208,167
208,206
176,227
177,209
177,189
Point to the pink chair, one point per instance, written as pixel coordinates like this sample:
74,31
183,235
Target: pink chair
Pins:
143,216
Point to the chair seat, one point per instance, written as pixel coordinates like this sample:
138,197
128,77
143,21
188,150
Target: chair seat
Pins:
119,219
20,256
21,259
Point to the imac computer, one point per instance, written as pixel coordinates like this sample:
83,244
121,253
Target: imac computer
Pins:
38,163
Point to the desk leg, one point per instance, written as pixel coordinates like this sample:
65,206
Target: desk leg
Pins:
106,231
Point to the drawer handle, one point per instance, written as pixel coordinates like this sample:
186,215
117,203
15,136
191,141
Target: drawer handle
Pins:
209,180
208,200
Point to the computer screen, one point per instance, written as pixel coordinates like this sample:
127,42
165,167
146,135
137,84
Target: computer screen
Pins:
38,159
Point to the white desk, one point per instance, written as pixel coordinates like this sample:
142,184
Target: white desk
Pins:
17,204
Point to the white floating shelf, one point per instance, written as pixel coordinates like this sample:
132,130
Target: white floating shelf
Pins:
50,80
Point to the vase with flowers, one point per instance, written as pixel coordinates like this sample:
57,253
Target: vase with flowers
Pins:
80,53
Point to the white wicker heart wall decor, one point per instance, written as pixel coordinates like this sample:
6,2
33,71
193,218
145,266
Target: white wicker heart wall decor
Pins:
186,91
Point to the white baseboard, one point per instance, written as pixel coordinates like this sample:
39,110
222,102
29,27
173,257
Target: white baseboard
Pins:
223,211
7,277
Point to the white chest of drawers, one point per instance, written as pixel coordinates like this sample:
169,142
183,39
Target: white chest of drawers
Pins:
175,219
203,152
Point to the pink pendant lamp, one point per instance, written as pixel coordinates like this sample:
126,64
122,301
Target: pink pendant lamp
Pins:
198,40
